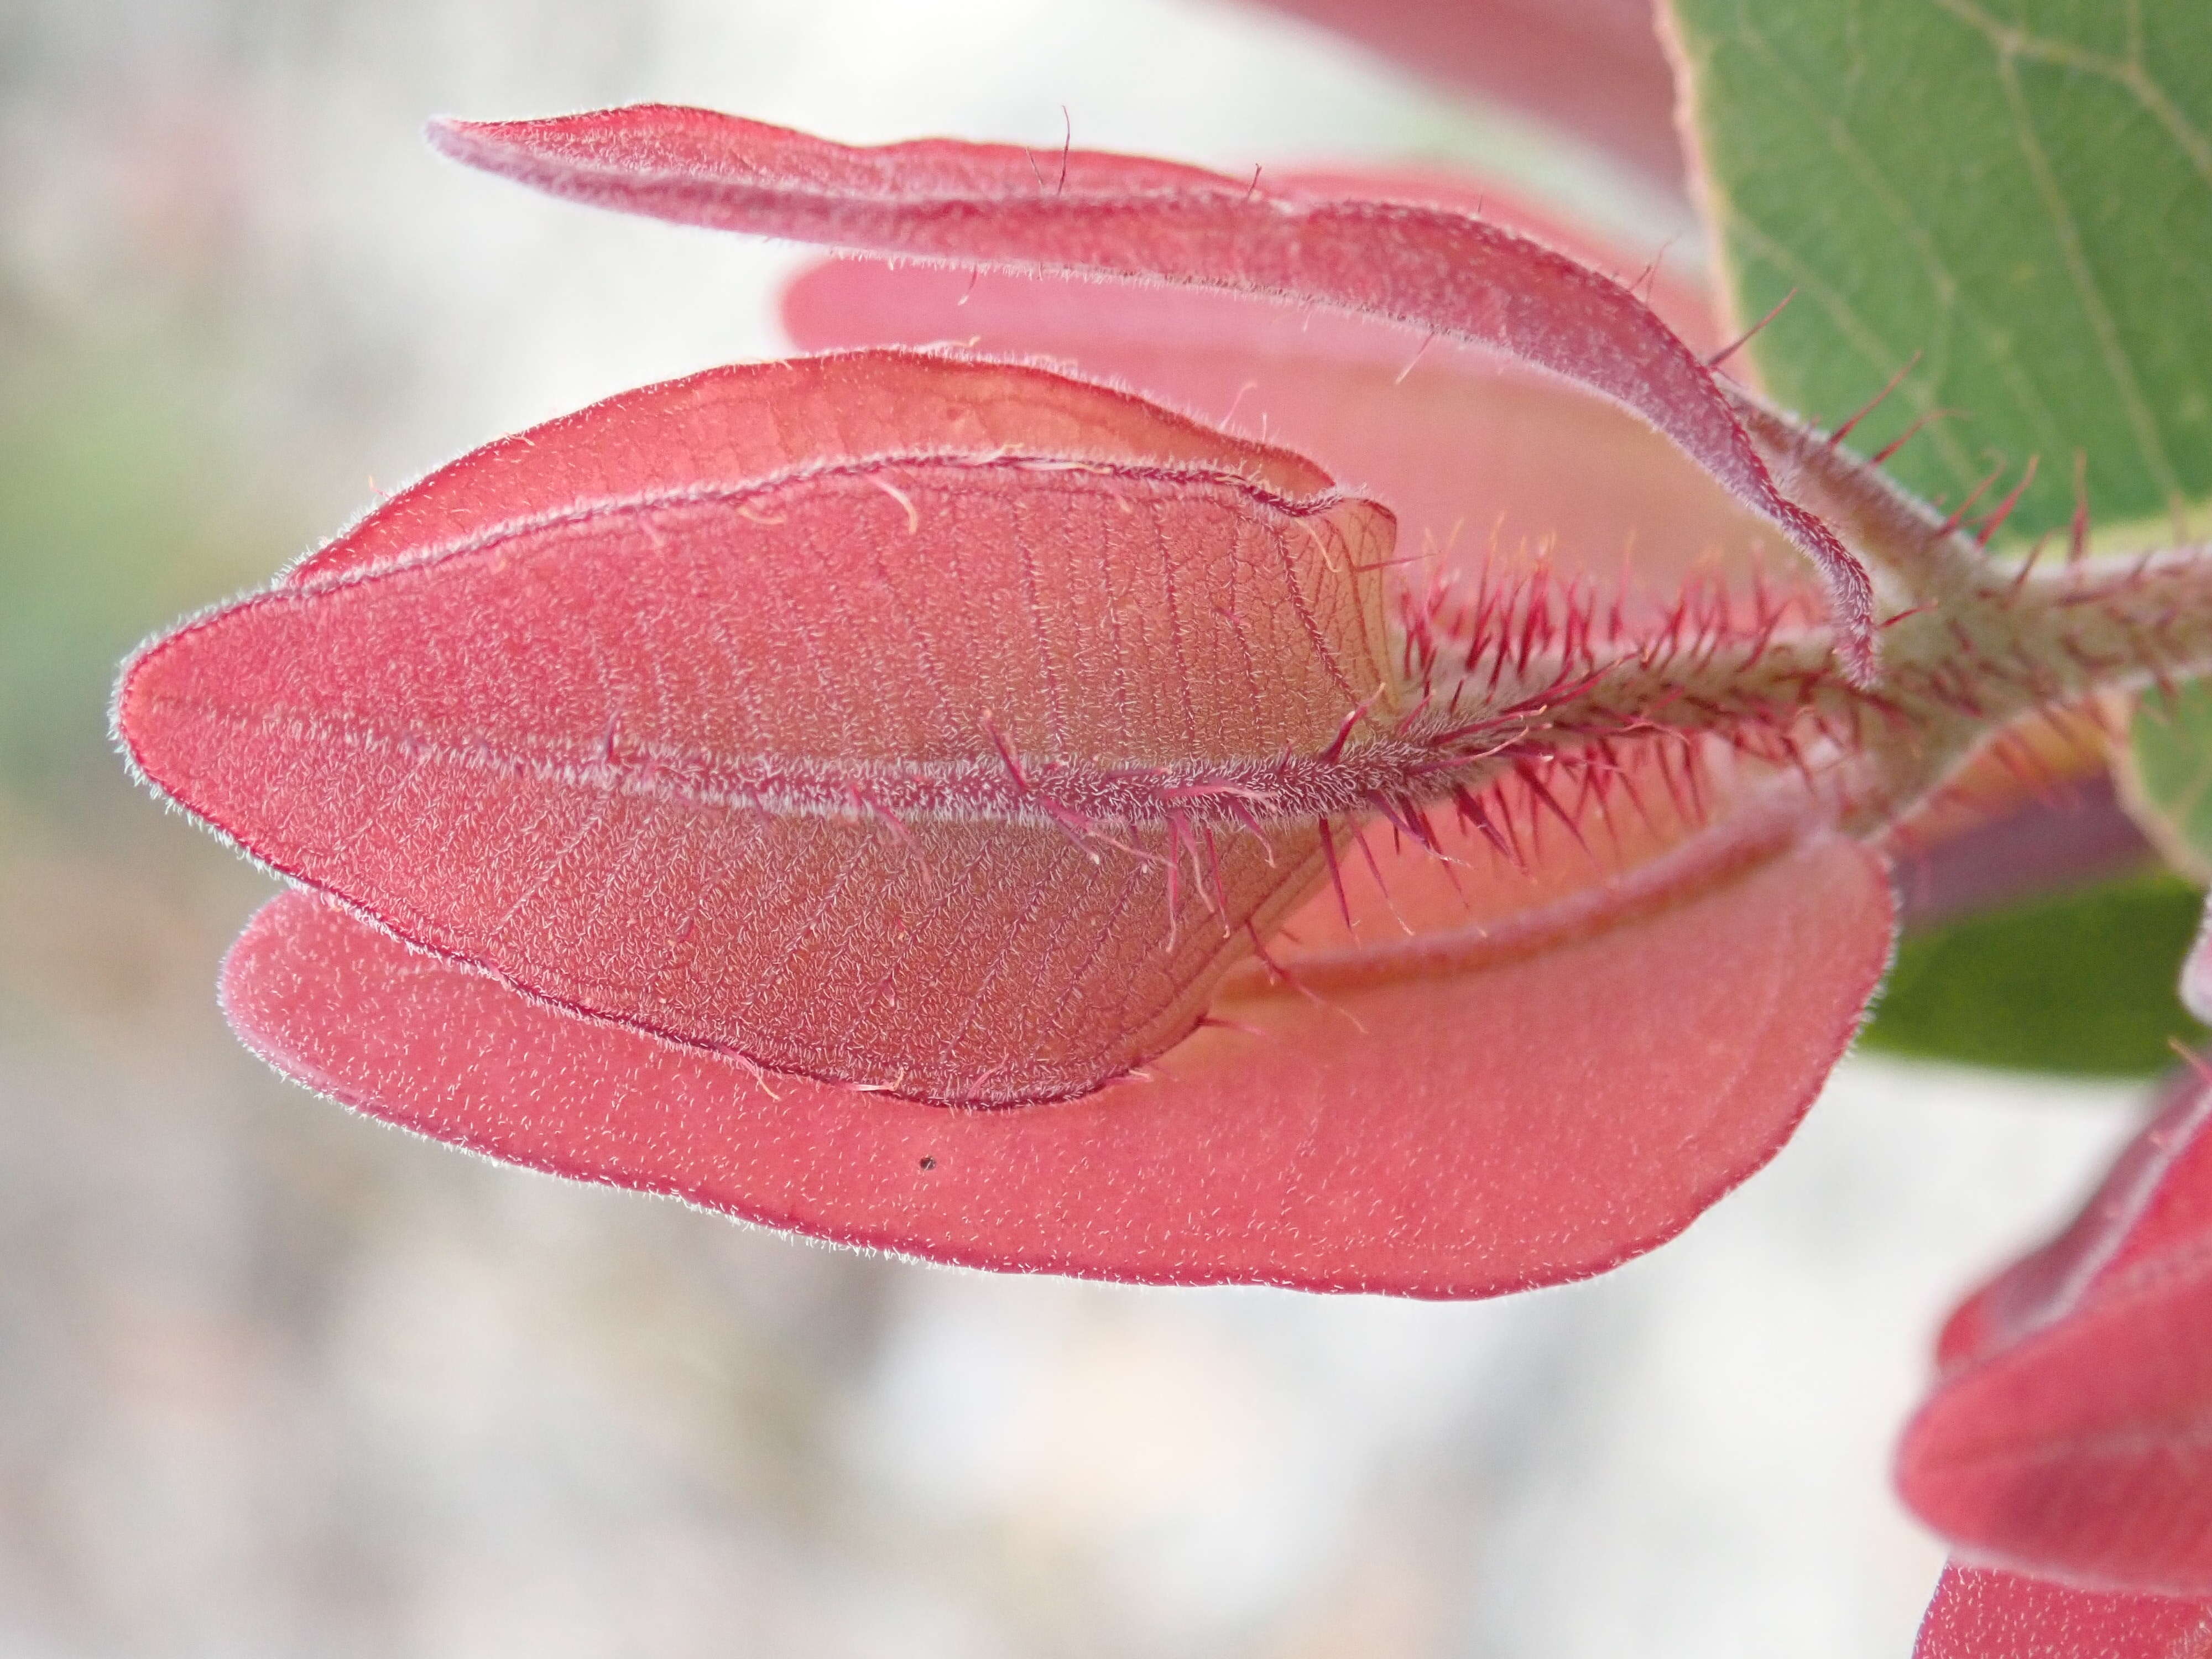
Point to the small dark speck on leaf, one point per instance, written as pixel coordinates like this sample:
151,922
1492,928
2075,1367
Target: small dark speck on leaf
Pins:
929,1164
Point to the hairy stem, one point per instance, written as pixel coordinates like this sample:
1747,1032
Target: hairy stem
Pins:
2000,645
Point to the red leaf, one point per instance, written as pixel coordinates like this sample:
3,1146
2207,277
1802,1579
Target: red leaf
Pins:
878,767
1681,302
1490,471
953,733
1484,467
1979,1614
1591,66
2071,1432
1103,214
1442,1128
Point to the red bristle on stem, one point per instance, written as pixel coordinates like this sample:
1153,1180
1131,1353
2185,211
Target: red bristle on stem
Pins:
2027,566
1006,751
1335,870
1374,869
2077,531
1528,772
1958,516
1749,334
1282,974
1992,525
1875,403
1911,432
1174,878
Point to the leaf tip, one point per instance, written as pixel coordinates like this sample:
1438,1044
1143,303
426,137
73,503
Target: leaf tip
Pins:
469,142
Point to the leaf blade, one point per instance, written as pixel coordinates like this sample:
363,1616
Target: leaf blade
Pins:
2066,1435
1320,1156
742,765
2039,233
1112,216
1979,1612
1486,470
2077,983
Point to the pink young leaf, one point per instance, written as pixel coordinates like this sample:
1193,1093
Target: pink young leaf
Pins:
2135,1208
1592,67
1682,302
1494,474
1485,468
1515,1118
2071,1431
922,769
1981,1614
709,429
1436,270
936,732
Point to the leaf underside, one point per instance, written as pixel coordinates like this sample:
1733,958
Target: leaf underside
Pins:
1436,270
717,786
1438,1136
1590,66
1982,1612
2068,1434
1489,470
741,760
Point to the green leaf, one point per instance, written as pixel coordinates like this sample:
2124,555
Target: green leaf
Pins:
2015,197
2019,190
2082,983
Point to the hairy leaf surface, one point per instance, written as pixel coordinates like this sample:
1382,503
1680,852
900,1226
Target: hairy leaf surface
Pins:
1980,1612
2071,1431
1103,214
1519,1117
1485,469
918,768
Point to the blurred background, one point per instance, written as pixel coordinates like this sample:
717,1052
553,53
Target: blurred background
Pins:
275,1381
